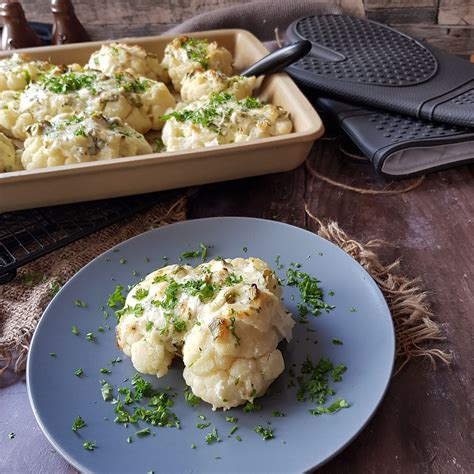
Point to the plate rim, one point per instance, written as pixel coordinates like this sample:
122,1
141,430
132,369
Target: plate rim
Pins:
317,465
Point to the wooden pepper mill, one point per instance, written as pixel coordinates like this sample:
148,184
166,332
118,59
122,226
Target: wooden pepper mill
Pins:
67,28
17,33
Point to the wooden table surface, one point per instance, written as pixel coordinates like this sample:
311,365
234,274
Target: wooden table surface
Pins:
426,421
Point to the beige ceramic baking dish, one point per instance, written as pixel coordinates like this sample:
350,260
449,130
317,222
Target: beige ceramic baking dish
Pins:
155,172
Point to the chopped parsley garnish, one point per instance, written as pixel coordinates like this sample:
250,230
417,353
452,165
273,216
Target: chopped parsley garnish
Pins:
11,435
78,424
146,259
202,426
149,326
277,413
89,445
140,293
310,292
106,391
129,439
213,114
336,372
90,336
212,437
231,419
238,438
104,370
337,342
26,76
179,325
202,252
68,82
191,399
333,408
277,262
233,279
158,147
196,50
353,310
100,329
158,414
79,372
115,361
143,432
244,249
141,386
193,446
123,261
313,384
74,330
249,407
265,433
54,287
80,303
231,328
233,430
80,132
52,354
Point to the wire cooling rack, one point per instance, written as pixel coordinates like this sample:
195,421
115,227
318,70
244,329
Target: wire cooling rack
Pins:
28,235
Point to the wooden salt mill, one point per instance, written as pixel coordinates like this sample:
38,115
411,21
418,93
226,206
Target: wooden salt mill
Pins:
67,28
17,33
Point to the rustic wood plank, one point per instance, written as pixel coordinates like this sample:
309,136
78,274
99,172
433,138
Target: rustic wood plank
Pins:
456,12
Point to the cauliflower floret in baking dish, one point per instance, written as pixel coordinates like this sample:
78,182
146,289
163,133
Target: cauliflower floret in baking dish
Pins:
139,102
220,119
186,55
225,318
7,155
201,84
69,139
119,58
18,71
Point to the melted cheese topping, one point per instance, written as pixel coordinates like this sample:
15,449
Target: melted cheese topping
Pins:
119,58
18,71
185,55
221,119
222,311
69,139
201,84
138,102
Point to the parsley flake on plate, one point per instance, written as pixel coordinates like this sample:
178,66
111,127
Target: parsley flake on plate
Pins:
79,372
265,433
89,445
78,424
116,298
337,342
79,303
333,408
212,437
191,399
249,407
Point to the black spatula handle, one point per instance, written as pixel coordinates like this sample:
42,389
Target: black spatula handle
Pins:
279,59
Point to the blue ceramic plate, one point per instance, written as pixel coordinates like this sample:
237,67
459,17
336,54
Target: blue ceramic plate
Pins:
361,320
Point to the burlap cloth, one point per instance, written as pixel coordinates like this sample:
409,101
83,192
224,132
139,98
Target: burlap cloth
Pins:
23,300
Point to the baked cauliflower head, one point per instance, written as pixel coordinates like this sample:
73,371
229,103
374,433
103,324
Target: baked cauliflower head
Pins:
69,139
18,71
119,58
185,56
221,119
203,83
224,317
139,102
